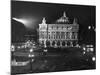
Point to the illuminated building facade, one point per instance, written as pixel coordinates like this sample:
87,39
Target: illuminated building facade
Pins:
61,34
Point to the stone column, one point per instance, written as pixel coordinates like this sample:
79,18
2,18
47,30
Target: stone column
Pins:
60,35
40,42
45,44
76,43
75,35
66,43
65,35
50,43
55,43
71,43
60,43
55,35
70,35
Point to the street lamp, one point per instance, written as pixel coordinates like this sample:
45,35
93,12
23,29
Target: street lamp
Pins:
31,60
12,48
89,27
93,58
31,50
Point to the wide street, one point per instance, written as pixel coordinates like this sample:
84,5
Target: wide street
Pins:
67,59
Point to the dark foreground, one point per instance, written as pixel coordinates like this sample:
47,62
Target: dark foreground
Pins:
68,59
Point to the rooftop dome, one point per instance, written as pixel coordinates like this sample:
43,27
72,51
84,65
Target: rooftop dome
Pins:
63,19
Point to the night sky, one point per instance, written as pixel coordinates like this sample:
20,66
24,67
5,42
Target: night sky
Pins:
35,11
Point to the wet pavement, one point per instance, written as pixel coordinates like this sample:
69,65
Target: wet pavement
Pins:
52,61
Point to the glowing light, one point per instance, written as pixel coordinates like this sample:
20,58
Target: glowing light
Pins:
83,52
22,46
27,21
18,47
31,55
12,48
77,45
45,50
89,45
84,48
93,27
20,20
93,59
91,49
89,27
87,50
31,50
32,60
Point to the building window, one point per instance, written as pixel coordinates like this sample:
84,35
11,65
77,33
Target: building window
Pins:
54,36
57,27
62,35
70,35
67,35
57,35
73,36
49,37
